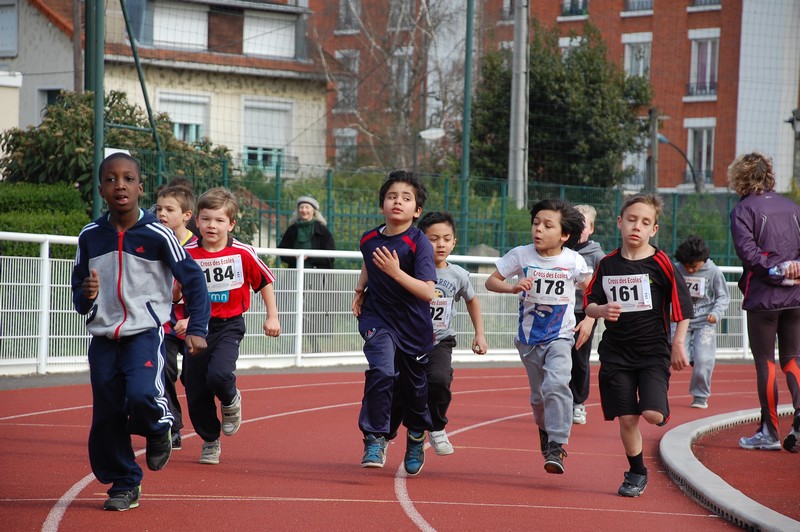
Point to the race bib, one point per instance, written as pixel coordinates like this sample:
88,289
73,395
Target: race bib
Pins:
631,291
223,273
441,312
550,287
696,286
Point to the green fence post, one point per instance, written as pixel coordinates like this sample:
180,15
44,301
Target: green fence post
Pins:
503,216
225,171
278,204
329,199
674,221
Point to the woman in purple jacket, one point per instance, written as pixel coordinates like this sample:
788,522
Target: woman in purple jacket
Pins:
766,232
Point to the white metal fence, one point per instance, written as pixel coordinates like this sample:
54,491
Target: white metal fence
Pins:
40,332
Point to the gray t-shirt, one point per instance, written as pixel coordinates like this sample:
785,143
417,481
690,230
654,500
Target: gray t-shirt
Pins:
452,283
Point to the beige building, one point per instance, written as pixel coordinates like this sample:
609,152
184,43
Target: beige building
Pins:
236,72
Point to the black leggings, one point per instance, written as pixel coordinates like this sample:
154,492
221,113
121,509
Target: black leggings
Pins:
763,327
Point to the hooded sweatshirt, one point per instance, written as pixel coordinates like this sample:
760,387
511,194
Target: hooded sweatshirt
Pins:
591,253
709,295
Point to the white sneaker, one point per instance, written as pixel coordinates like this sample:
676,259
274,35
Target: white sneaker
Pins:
209,453
761,441
579,414
440,443
232,416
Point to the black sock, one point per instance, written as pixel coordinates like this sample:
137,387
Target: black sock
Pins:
637,464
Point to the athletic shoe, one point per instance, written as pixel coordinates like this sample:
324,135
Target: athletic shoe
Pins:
177,441
441,444
699,402
791,443
159,449
543,439
374,451
232,416
209,453
579,414
123,500
633,485
415,452
554,458
762,441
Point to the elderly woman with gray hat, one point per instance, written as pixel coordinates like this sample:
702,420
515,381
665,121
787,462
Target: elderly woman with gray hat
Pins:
307,229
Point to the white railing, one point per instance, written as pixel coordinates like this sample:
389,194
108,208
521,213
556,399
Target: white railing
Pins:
40,332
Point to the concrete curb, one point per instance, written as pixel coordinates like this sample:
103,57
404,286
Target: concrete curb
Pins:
707,488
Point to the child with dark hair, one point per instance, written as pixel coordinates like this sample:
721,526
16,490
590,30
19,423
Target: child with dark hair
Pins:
452,285
710,299
547,274
392,304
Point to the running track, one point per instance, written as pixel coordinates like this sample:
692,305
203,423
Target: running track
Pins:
295,464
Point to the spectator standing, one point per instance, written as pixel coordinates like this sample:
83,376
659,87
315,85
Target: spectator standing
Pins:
765,228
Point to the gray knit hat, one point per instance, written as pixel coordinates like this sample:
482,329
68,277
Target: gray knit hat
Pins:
308,199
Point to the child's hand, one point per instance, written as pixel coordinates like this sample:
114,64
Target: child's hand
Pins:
272,327
388,262
91,285
180,326
195,344
711,319
479,345
358,299
584,330
523,285
678,359
611,311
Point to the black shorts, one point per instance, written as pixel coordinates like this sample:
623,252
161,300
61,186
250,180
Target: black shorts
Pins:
626,391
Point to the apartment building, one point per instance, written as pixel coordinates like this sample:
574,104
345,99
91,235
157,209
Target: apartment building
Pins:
235,71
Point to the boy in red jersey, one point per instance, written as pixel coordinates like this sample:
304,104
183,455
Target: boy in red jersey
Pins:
633,289
231,269
174,208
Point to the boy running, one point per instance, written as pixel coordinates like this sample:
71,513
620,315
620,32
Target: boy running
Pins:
547,274
634,289
392,304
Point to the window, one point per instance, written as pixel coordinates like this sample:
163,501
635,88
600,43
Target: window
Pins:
508,10
47,97
345,140
700,147
349,15
347,86
401,14
188,113
568,43
401,72
8,28
705,53
267,132
269,34
183,26
571,8
637,53
638,5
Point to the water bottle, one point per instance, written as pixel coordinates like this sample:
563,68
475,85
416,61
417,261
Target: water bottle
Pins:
779,271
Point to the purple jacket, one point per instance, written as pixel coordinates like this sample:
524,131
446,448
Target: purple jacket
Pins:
766,231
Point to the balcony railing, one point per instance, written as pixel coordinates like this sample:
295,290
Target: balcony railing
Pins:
697,3
638,5
705,88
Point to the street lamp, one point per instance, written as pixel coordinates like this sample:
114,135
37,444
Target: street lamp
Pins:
794,121
698,183
433,133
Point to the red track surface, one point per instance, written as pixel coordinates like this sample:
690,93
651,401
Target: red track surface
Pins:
296,464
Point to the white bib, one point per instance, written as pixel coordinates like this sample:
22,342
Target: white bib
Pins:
631,291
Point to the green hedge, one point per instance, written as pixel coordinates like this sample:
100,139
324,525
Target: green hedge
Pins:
40,209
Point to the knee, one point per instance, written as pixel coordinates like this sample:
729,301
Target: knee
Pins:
653,417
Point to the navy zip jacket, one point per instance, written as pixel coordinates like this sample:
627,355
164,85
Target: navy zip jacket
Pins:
136,269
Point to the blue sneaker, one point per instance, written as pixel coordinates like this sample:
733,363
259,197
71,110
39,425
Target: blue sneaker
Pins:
415,454
374,451
761,441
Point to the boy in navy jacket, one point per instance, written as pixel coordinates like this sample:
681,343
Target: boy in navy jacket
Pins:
122,278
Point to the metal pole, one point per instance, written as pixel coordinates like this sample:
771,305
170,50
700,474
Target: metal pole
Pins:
466,124
99,103
518,134
652,175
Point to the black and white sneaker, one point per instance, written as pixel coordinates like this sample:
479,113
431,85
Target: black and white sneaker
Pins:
554,458
123,500
159,449
633,485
